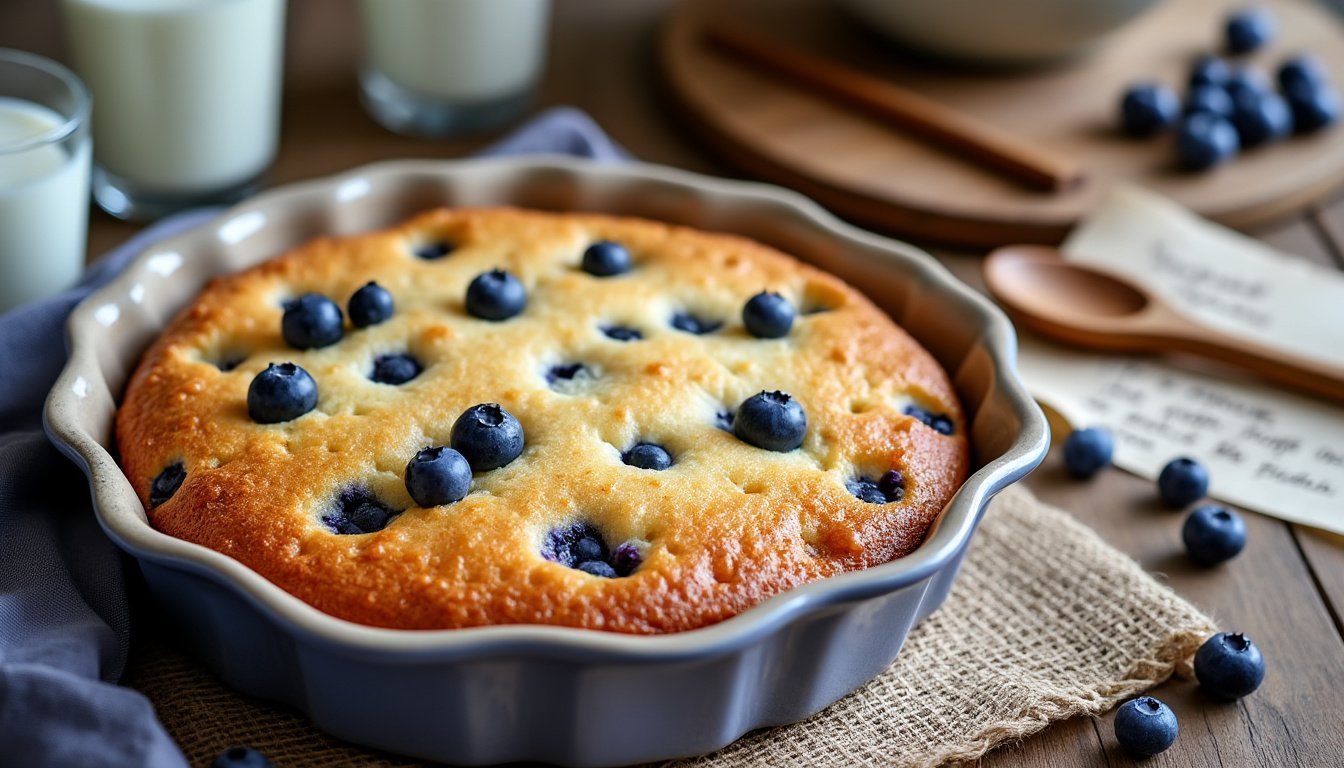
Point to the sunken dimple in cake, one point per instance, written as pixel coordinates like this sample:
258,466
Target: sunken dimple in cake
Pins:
591,367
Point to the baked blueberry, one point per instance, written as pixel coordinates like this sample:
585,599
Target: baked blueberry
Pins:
311,321
395,369
647,456
282,392
622,332
1182,481
938,422
434,250
370,305
569,378
626,558
768,315
228,363
1205,140
598,568
1208,98
888,488
438,476
1248,29
1209,70
1147,109
771,420
724,420
1145,726
496,295
574,545
488,436
1247,80
358,511
685,321
1261,117
1229,666
166,483
1088,451
1313,108
605,258
1301,72
1213,534
240,757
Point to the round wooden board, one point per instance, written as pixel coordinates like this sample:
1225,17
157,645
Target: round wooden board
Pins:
872,173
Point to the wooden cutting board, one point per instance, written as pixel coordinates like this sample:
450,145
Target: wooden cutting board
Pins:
872,173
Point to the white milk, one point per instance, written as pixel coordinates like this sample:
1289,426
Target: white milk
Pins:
457,50
186,93
44,206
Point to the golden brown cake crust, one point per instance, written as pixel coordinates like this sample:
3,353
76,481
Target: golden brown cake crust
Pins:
727,526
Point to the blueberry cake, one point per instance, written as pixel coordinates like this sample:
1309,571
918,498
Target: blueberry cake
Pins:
505,416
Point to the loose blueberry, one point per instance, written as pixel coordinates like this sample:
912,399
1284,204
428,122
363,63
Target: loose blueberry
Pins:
1249,29
1182,481
438,476
240,757
626,558
280,393
605,258
496,295
1313,108
768,315
938,422
1145,726
395,369
771,420
685,321
166,483
1229,666
1147,109
1206,140
370,305
1209,70
598,568
1261,118
358,511
1088,451
311,321
647,456
569,378
1301,73
1209,98
887,489
1247,80
488,436
622,333
435,250
1213,534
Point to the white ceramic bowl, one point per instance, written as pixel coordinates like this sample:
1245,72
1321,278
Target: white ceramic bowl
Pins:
507,693
998,31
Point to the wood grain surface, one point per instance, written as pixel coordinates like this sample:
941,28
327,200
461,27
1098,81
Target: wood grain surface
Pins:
890,179
1286,589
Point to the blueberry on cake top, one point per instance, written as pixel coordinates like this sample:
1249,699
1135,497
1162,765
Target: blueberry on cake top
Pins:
530,417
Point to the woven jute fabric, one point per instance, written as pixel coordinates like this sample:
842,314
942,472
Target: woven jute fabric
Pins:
1046,622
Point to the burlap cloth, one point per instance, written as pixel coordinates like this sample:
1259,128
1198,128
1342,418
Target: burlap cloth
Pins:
1046,622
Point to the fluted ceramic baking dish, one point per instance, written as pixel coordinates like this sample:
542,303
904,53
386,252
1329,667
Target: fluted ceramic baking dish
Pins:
568,696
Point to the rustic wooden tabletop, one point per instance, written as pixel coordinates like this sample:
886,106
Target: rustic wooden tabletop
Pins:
1286,590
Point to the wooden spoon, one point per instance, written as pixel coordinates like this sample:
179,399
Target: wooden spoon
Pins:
1088,307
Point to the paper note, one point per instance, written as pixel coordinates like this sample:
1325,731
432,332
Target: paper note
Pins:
1267,449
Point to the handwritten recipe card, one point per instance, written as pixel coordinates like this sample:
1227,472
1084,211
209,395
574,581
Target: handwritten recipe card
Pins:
1267,449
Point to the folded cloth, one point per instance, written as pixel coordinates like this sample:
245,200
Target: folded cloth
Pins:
1046,622
64,616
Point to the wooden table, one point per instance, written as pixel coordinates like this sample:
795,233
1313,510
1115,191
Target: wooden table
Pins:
1286,590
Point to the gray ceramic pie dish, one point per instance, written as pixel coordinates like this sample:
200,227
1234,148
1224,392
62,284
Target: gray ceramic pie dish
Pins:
568,696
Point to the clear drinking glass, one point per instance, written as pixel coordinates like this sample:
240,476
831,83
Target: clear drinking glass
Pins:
187,95
44,177
449,67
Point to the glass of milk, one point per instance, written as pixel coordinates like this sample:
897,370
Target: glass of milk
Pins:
449,67
44,177
187,98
